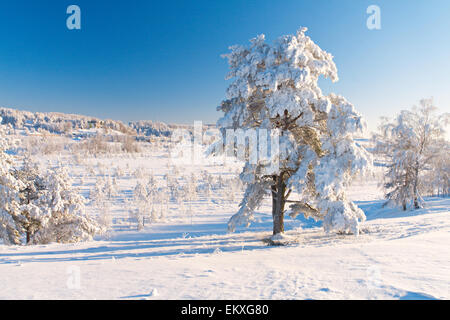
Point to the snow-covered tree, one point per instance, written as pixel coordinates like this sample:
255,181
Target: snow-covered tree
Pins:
189,194
412,144
68,221
9,195
164,199
101,196
139,173
438,179
234,186
118,172
110,188
142,200
275,88
97,195
31,217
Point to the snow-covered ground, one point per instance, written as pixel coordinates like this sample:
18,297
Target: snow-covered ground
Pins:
399,255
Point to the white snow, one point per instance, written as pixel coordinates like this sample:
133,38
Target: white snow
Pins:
398,255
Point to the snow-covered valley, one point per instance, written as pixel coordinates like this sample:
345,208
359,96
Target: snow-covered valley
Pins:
188,254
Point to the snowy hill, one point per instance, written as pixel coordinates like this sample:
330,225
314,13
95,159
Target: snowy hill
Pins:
62,123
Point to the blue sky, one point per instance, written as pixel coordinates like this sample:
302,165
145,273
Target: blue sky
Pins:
160,60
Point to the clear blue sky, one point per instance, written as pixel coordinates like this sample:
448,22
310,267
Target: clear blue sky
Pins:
160,60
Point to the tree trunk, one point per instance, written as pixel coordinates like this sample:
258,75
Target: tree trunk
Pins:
28,237
416,203
415,189
278,203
